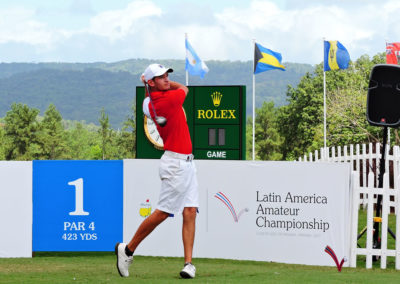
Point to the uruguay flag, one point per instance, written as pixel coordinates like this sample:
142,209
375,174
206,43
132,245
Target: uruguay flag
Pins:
336,56
194,65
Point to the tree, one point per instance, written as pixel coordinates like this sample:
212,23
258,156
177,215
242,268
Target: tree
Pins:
80,141
249,138
52,135
105,132
96,153
301,121
123,142
126,139
346,106
2,148
268,140
20,132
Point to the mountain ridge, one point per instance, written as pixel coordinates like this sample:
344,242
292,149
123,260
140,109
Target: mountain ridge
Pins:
80,90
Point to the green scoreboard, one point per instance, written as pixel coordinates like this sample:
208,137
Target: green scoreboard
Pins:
216,116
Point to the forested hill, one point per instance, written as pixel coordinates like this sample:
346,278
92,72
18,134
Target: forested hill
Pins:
80,90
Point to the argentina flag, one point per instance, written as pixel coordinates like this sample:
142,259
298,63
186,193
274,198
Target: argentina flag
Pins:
336,56
194,65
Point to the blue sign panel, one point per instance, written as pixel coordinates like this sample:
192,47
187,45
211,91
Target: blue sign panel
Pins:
77,205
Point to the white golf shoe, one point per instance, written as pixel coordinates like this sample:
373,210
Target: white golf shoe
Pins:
188,271
123,261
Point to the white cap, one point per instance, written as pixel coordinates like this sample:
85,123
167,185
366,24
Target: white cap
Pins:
154,70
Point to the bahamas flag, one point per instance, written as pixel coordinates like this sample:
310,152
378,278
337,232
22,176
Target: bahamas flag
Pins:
265,59
335,56
194,65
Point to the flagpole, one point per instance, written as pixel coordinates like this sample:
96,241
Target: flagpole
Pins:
324,110
323,67
254,102
187,73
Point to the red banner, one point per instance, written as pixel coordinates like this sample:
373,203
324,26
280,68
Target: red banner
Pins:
392,52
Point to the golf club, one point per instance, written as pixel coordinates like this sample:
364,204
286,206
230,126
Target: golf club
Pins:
162,121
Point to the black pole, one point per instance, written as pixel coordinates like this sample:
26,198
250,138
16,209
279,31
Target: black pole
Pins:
377,243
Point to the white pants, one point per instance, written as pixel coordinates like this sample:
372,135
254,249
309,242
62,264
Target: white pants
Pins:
179,187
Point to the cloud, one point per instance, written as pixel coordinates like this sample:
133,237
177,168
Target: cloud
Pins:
297,33
117,24
18,25
144,29
83,7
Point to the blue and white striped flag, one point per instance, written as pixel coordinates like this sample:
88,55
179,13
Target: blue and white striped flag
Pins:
194,65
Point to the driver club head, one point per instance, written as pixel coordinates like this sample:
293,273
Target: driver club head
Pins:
162,121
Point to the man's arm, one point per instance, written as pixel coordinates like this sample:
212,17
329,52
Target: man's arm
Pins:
176,86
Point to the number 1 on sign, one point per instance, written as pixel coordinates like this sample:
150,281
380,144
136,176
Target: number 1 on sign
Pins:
78,184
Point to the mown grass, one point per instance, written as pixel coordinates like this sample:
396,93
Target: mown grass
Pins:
99,267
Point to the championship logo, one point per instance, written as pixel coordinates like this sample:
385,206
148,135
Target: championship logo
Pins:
330,251
225,200
145,209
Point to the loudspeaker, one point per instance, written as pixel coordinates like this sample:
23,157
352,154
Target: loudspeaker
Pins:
383,99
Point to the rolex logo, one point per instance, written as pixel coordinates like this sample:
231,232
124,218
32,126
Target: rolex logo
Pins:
216,113
216,98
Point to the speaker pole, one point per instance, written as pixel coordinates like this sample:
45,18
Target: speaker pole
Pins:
376,240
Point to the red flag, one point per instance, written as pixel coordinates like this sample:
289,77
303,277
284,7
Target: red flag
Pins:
392,52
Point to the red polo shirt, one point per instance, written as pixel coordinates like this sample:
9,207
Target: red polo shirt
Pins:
175,133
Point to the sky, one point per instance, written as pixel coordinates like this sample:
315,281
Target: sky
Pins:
116,30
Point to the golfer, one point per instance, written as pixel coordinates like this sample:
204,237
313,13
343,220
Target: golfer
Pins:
179,189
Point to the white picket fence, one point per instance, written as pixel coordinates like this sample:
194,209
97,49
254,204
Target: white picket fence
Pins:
361,156
383,252
364,160
365,191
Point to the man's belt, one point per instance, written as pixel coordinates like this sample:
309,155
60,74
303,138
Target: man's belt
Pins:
186,157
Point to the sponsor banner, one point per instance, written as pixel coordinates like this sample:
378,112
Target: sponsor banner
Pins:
16,209
77,205
141,191
278,211
269,211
